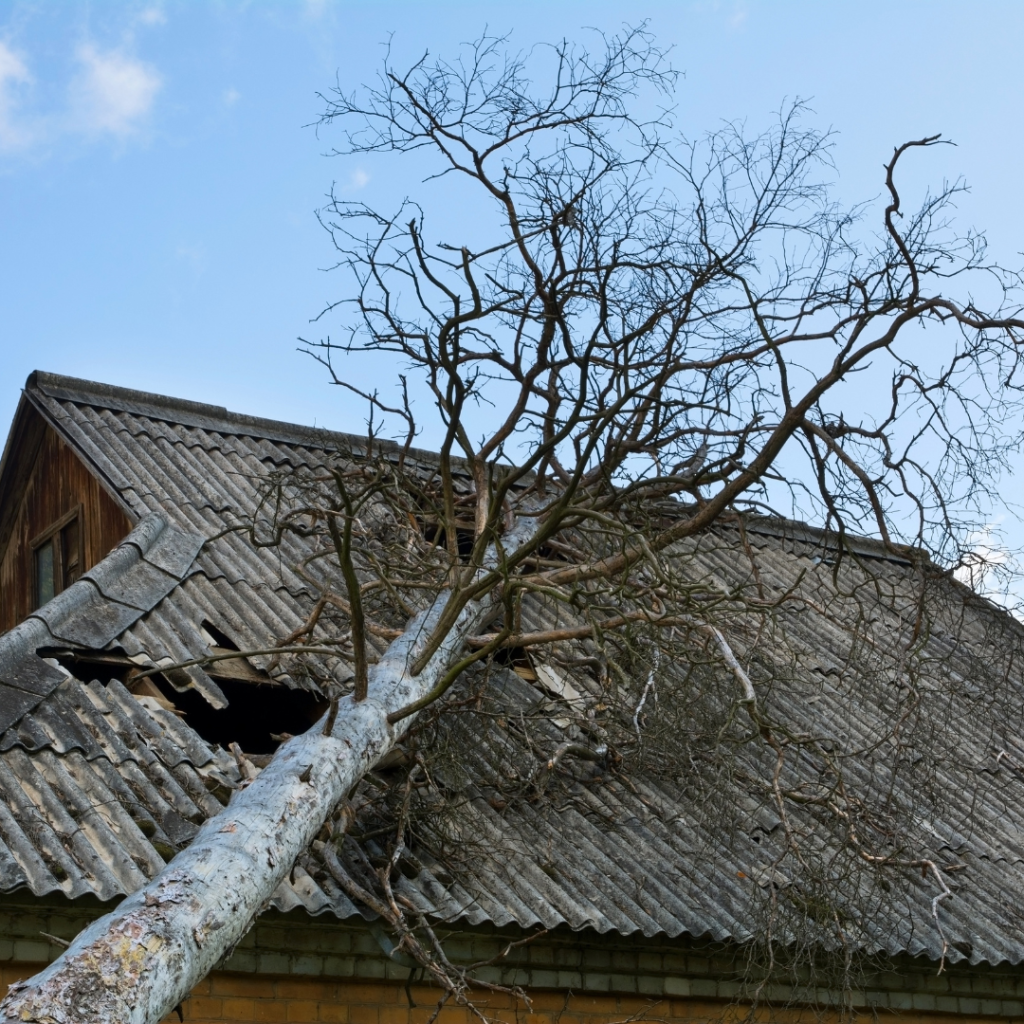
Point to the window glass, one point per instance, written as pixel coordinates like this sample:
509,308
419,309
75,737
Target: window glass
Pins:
44,573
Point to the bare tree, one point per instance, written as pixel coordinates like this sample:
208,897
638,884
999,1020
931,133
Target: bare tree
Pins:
661,333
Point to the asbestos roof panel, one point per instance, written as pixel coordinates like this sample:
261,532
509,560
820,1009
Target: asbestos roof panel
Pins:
84,817
638,858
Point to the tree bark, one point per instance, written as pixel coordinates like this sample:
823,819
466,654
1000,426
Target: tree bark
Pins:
140,961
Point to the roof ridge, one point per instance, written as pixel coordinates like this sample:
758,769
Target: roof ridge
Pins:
186,412
49,383
222,420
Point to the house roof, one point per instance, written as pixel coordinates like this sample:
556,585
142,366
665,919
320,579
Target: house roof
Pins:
98,787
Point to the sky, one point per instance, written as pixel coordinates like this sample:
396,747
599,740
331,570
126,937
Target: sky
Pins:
160,169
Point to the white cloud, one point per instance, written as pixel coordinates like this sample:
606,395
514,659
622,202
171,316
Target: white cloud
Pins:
991,569
14,134
979,565
231,97
315,9
358,179
153,16
113,93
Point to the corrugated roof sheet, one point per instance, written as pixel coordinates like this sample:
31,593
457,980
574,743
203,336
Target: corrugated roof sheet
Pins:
97,787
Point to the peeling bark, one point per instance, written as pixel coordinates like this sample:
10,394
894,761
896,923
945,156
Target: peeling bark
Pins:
137,963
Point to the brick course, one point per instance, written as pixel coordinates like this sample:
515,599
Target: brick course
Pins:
288,999
291,968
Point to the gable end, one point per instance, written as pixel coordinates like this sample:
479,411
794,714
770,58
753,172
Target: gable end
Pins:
45,488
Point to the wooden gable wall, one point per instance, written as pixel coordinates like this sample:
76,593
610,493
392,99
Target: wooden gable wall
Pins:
44,481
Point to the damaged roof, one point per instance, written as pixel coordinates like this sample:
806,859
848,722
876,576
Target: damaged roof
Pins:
98,787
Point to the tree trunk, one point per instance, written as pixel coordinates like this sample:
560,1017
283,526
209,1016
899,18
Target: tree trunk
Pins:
140,961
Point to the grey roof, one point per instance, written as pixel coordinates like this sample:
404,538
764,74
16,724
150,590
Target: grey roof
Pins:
98,787
139,573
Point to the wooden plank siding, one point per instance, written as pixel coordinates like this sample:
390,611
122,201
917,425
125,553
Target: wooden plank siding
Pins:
47,481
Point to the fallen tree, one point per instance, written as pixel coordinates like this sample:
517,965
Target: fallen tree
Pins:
657,361
137,963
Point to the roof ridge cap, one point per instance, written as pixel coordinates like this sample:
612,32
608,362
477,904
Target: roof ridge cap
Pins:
48,382
190,413
798,530
210,417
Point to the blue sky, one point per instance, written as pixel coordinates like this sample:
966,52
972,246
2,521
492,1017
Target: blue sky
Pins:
158,178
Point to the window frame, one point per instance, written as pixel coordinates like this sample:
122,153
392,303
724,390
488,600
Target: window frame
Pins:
53,533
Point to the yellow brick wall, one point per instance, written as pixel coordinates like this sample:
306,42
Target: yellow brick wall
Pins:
288,999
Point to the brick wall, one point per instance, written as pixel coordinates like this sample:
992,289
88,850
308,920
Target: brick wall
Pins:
291,964
286,999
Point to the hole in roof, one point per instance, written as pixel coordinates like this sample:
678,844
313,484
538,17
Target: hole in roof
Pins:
221,644
258,715
553,552
517,659
217,638
437,534
103,666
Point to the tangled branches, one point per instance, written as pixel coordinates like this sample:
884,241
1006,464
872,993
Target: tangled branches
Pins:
406,920
815,724
663,332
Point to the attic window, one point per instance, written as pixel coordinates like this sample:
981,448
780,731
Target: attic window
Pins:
57,557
